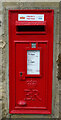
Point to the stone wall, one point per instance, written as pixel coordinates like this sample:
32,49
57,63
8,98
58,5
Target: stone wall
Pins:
4,57
59,60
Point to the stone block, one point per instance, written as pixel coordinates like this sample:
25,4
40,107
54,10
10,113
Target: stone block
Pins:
0,110
59,85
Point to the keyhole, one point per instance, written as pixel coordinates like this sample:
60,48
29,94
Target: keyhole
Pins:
21,74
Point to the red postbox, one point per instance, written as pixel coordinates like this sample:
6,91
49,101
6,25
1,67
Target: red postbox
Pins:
30,61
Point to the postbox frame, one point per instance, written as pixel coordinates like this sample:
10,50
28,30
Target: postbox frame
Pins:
15,110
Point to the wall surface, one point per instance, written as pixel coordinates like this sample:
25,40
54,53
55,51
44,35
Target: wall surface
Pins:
5,5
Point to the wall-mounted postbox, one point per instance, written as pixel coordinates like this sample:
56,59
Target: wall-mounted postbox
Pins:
30,61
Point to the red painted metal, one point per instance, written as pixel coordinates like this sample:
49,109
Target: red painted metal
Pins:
30,94
30,23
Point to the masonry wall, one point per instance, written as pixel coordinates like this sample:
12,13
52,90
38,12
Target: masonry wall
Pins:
4,57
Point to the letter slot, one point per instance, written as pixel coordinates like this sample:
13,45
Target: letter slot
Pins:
31,27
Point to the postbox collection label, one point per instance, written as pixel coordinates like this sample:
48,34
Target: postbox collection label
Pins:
30,17
33,62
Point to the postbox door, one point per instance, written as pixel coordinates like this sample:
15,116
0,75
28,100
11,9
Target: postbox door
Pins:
31,82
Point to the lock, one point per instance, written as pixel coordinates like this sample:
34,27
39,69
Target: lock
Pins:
22,76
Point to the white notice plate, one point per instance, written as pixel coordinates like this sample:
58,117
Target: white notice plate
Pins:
30,17
33,62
